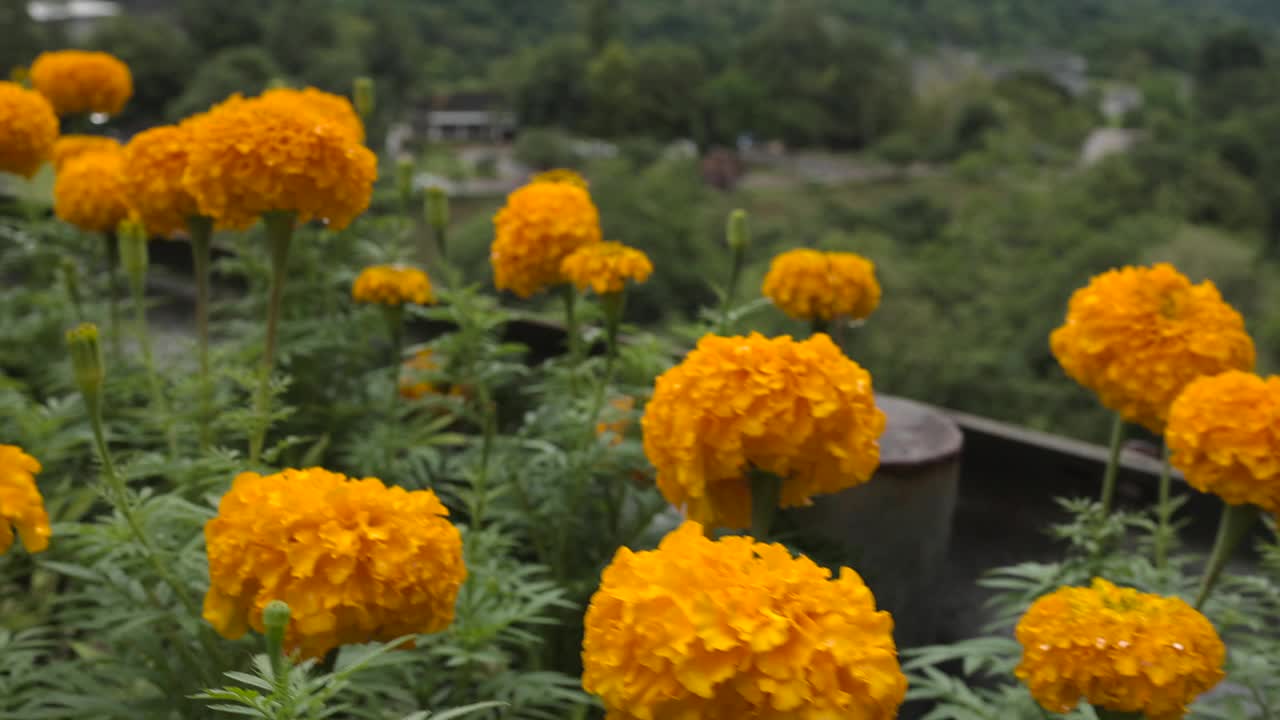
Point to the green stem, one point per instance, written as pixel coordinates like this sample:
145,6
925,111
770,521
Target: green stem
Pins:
1164,513
395,326
279,233
441,236
490,419
731,290
158,399
570,297
820,325
1235,524
766,493
614,305
113,312
1113,465
201,236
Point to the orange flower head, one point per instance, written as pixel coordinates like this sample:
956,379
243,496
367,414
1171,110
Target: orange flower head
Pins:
392,285
249,157
539,226
732,629
78,81
1118,649
335,108
1224,435
810,284
154,162
800,410
1136,337
28,130
68,147
89,191
21,506
356,561
605,267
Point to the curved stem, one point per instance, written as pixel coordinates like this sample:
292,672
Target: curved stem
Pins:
1113,465
201,235
158,398
113,312
1234,526
279,233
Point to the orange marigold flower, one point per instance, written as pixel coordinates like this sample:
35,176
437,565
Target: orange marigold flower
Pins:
249,157
605,267
1224,435
1136,337
78,81
68,147
1118,649
89,192
810,284
332,107
392,285
21,505
732,629
154,162
28,130
356,561
540,225
800,410
560,175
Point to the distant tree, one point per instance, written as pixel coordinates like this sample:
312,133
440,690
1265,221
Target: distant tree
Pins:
599,20
160,56
734,104
1228,52
668,82
23,38
216,24
548,84
612,93
298,33
245,70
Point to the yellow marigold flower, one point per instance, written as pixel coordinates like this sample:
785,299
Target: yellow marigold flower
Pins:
733,629
1136,337
69,147
392,285
89,192
1118,649
810,284
21,506
356,561
800,410
332,107
540,225
560,175
28,129
77,81
249,157
1224,435
605,267
154,162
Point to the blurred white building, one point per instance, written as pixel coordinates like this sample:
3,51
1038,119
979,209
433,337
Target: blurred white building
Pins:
76,18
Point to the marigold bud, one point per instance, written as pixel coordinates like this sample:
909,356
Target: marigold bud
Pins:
736,230
362,92
437,207
86,359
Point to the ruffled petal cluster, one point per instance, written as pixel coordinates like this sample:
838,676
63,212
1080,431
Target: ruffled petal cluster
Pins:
1118,649
811,284
800,410
734,629
539,226
1224,435
1136,337
89,192
356,561
21,506
69,147
325,104
154,163
28,130
249,157
605,267
392,285
79,81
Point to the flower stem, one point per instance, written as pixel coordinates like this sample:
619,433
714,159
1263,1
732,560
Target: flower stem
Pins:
279,233
614,305
766,492
395,326
1164,513
570,297
113,313
201,235
158,400
820,325
1235,524
1113,465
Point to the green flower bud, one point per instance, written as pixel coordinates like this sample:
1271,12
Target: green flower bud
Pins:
362,91
437,207
736,230
86,360
275,619
133,250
